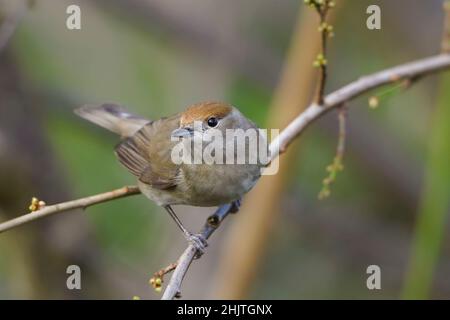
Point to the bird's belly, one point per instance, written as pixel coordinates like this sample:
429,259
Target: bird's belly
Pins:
160,197
206,186
212,185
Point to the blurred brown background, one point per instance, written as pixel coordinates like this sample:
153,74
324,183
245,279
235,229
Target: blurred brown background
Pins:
157,57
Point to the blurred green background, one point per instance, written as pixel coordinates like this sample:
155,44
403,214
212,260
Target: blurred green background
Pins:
159,56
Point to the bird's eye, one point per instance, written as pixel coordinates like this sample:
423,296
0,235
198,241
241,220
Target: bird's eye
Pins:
212,122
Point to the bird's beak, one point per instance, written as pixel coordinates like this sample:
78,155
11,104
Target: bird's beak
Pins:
182,132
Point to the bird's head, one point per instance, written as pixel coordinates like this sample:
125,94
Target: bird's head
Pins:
205,116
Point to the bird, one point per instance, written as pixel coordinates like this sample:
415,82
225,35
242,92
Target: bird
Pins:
146,148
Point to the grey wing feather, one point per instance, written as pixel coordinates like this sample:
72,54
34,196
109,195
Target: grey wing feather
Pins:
134,153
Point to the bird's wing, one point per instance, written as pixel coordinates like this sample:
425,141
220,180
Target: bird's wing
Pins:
147,153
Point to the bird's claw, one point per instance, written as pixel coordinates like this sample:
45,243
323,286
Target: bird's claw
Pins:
199,242
235,206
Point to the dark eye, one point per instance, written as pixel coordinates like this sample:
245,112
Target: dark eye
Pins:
212,122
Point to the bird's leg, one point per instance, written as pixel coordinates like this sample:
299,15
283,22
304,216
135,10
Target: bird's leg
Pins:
197,240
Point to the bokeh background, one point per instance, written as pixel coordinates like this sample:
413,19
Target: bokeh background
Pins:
388,207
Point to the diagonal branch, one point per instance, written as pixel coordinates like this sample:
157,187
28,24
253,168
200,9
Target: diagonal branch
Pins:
211,224
412,71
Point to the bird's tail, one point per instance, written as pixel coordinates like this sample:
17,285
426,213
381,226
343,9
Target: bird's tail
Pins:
112,117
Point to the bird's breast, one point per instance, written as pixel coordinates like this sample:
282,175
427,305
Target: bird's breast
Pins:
216,184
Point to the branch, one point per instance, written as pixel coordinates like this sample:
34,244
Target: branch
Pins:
337,164
69,205
412,71
326,30
212,223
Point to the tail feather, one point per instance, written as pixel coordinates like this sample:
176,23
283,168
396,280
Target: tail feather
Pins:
112,117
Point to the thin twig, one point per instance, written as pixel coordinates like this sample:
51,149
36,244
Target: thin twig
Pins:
324,34
342,116
69,205
337,164
413,70
164,271
158,277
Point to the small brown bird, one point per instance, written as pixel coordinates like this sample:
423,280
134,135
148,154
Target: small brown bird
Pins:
146,151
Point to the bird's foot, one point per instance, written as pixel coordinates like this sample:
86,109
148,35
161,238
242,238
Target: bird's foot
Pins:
199,242
235,206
